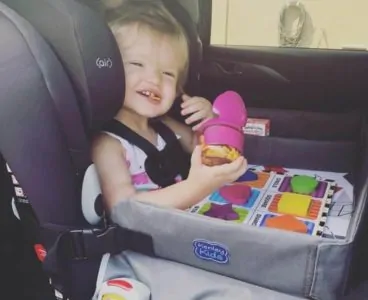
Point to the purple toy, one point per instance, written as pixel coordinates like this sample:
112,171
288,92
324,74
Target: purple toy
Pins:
225,212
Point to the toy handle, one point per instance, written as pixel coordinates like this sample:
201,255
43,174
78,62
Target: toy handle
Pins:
230,108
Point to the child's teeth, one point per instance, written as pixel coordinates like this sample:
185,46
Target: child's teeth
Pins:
150,95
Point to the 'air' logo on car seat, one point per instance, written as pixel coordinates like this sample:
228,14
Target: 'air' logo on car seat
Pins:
212,251
104,63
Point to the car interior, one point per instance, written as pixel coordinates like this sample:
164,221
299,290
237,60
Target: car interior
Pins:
54,97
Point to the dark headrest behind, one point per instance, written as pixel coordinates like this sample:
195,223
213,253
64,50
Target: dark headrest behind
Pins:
86,48
33,139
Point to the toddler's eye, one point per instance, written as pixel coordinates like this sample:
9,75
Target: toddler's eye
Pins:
137,64
169,74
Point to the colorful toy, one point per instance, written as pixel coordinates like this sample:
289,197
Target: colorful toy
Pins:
227,212
222,137
248,176
303,184
260,179
224,198
294,204
236,194
224,212
276,169
269,201
286,222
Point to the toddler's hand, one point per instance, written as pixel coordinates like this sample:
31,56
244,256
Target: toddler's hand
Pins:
213,178
199,109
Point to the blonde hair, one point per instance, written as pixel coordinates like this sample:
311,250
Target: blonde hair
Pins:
154,16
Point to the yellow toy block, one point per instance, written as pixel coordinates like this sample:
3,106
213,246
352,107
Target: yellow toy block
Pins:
294,204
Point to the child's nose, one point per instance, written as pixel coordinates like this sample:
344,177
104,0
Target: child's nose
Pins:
154,76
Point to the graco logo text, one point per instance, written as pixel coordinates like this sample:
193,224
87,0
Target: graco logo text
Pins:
212,251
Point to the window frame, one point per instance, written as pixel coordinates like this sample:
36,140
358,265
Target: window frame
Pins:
205,30
205,22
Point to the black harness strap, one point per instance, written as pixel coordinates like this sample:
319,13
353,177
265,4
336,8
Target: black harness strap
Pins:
123,131
163,166
165,132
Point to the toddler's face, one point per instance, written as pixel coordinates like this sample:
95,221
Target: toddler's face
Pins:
152,63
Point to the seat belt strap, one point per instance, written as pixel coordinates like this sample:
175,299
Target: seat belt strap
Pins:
161,166
123,131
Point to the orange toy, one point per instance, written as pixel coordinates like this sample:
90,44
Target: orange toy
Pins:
261,181
287,222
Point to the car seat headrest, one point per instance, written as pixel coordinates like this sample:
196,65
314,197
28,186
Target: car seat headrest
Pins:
35,93
192,7
87,49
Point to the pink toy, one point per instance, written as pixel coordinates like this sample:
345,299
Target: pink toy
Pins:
237,194
226,130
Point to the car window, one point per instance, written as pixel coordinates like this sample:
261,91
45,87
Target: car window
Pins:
324,24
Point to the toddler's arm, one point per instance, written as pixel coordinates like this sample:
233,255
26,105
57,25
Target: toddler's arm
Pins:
109,158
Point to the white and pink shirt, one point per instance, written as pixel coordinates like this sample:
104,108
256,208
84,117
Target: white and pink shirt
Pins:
135,158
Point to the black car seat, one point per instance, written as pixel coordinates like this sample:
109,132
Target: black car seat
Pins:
45,126
18,260
58,93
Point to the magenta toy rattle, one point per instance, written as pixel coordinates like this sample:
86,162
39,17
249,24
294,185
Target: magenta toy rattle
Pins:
222,137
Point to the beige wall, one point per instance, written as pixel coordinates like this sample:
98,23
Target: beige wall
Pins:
330,23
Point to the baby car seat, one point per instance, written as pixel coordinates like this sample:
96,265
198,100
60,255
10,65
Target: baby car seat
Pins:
45,125
54,95
60,86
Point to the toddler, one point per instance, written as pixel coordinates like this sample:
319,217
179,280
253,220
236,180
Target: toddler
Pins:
154,49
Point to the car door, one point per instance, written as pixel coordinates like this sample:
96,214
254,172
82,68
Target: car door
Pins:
313,76
301,65
311,90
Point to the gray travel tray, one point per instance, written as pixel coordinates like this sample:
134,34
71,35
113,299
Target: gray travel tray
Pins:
248,257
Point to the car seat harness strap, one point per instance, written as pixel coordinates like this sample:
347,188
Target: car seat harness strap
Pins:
163,167
91,244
